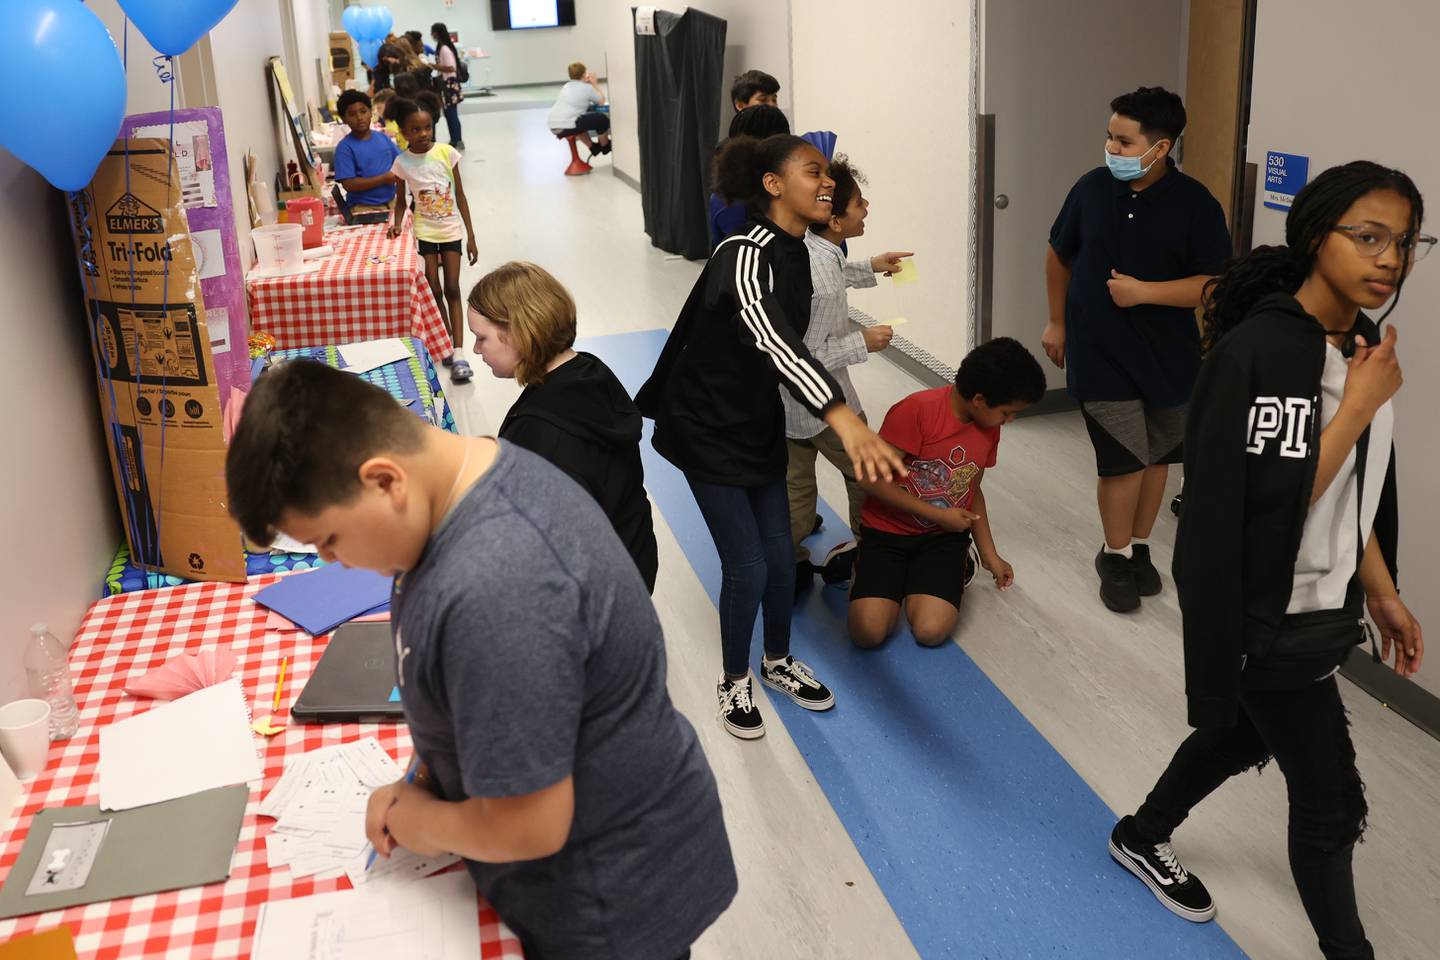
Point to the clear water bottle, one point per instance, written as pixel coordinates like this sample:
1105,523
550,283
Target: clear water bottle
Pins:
48,667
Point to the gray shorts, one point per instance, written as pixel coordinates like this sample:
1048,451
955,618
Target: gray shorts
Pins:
1128,436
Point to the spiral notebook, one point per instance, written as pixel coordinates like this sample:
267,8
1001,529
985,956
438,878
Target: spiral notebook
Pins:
198,742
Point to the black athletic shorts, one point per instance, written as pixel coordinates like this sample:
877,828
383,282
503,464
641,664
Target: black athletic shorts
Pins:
1129,436
450,246
893,566
593,122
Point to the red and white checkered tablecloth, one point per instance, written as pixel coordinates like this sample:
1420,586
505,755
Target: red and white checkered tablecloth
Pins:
123,637
372,289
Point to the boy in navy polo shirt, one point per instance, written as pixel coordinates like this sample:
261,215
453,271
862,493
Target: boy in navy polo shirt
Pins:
1129,256
364,158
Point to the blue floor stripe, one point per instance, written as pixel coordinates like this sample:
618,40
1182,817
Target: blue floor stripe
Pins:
984,840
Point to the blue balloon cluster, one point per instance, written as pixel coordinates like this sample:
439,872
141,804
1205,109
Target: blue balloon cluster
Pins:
63,49
367,23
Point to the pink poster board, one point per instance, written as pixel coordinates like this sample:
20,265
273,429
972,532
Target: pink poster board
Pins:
203,166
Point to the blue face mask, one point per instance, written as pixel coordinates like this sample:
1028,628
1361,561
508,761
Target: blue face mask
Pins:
1128,168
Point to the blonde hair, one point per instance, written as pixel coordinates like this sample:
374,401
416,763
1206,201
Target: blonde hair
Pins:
577,70
532,309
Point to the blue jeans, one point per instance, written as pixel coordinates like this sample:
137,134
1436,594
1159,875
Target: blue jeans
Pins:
751,530
452,121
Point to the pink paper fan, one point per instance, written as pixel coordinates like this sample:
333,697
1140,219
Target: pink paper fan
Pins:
184,674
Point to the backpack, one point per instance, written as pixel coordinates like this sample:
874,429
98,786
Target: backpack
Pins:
462,70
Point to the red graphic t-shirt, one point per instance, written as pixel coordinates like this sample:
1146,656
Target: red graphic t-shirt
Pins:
943,454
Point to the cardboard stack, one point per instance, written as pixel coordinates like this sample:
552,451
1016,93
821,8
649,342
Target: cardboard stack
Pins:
155,372
342,59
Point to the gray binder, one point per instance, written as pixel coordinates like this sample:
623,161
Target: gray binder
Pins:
163,846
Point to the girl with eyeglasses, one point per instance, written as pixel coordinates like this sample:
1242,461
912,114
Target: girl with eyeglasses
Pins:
1288,534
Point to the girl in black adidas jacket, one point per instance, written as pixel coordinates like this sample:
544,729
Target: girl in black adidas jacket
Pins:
714,397
1288,531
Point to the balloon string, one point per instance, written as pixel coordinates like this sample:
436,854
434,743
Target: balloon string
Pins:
167,76
136,326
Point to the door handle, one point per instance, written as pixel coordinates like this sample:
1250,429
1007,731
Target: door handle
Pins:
1001,201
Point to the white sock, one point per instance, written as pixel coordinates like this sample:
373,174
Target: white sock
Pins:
1139,542
1127,553
770,661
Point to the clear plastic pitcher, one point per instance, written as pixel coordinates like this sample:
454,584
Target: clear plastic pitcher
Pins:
279,249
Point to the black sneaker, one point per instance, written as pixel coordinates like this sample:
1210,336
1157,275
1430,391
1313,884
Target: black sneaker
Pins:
738,713
972,563
794,679
1180,891
819,522
448,361
804,576
1117,582
1147,578
839,565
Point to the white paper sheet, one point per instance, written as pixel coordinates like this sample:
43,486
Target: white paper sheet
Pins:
198,742
369,354
284,544
319,806
433,919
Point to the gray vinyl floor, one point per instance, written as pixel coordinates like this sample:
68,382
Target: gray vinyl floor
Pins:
1105,691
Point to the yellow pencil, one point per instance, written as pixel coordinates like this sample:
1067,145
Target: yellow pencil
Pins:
279,684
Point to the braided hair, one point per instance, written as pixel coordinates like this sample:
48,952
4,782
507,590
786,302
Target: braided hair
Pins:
1269,269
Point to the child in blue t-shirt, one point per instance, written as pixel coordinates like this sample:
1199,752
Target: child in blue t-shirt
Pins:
364,158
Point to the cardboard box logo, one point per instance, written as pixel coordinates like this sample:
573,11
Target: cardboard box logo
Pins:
130,214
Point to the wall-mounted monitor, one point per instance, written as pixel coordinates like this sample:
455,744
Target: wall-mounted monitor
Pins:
531,14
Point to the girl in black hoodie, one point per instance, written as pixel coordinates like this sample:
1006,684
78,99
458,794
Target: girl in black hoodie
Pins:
715,399
574,411
1287,533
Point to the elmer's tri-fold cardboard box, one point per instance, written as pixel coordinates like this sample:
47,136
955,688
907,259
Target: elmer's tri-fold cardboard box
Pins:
156,377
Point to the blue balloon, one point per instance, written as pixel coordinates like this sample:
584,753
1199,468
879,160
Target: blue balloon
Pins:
376,25
173,26
386,20
347,20
64,50
370,52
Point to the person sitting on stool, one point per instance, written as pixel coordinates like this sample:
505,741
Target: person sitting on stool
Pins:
574,109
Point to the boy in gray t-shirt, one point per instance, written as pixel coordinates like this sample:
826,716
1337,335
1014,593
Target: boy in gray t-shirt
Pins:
530,661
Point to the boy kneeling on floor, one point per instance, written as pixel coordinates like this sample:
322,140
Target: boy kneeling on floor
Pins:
915,540
530,663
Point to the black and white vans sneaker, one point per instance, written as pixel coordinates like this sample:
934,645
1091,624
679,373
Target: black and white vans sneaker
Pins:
972,563
738,713
794,679
1181,892
839,565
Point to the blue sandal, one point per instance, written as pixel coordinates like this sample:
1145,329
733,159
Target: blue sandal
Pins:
461,372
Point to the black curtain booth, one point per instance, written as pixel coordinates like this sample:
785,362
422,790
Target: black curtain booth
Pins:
679,74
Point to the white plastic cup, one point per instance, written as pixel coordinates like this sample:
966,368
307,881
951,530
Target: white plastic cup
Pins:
25,736
281,248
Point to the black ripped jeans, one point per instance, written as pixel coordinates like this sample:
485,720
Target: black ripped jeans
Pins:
1302,725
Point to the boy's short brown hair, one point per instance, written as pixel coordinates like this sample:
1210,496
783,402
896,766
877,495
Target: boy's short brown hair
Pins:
304,432
576,70
535,311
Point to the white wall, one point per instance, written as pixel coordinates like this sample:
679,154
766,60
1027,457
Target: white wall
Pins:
757,37
910,134
58,511
1302,104
240,45
516,56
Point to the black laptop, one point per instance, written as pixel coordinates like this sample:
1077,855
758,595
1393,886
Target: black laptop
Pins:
354,680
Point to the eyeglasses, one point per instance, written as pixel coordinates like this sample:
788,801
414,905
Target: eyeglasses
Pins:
1372,239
